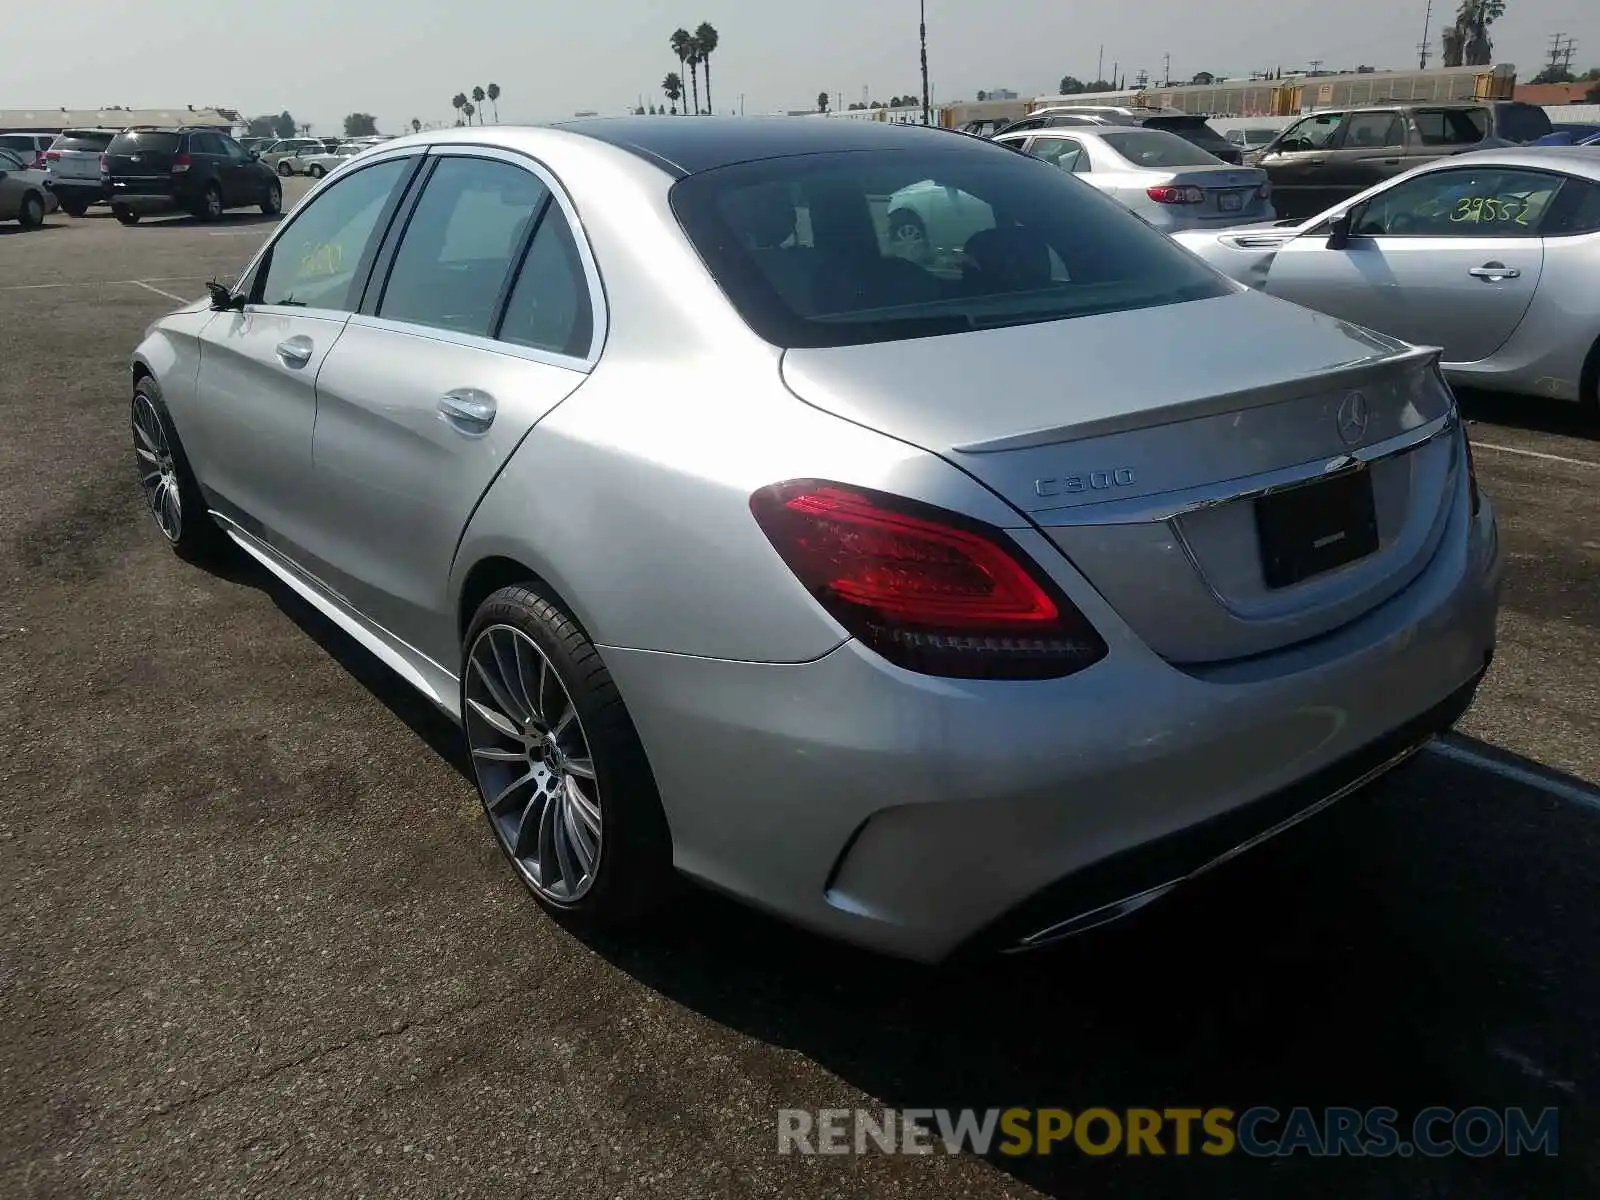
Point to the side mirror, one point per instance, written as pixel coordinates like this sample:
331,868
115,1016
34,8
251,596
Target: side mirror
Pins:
222,297
255,155
1339,231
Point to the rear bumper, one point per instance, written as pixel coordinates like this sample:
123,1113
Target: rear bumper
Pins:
921,816
148,195
87,191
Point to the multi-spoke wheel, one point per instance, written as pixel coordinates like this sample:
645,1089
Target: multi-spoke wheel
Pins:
158,477
564,779
533,764
165,480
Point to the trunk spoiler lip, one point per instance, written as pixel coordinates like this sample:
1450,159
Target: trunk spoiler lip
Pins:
1341,375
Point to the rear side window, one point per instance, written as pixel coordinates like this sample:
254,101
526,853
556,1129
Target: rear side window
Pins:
1451,126
549,307
92,143
813,250
1577,211
468,229
317,262
144,143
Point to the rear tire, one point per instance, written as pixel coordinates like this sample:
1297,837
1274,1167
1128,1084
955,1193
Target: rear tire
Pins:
31,214
210,203
907,235
171,494
529,666
273,204
315,171
125,214
74,208
1589,383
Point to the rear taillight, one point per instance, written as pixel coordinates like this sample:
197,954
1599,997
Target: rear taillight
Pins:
39,163
105,167
927,589
180,163
52,156
1265,190
1472,473
1188,194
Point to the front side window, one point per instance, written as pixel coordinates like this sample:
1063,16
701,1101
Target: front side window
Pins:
468,229
1312,133
1486,202
317,262
803,248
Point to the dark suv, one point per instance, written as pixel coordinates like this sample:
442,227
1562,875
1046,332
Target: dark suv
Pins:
1191,127
1332,155
201,171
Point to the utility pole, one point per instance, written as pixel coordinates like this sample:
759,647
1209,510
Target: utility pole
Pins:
1422,47
1115,86
1314,64
922,34
1100,64
1166,69
1560,52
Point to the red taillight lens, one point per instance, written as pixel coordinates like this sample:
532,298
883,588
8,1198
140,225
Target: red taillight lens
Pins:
1187,194
52,156
1472,473
1266,190
105,166
180,163
929,590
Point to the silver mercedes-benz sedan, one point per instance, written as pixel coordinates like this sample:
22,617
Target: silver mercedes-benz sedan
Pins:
1491,256
932,607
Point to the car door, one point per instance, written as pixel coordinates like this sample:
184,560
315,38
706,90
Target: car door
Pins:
1448,258
241,182
13,183
1370,148
1296,163
249,436
483,318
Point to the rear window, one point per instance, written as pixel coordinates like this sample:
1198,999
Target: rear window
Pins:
91,142
1157,149
1193,129
844,249
1523,122
143,143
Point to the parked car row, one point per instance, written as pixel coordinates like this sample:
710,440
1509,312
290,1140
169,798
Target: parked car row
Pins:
24,195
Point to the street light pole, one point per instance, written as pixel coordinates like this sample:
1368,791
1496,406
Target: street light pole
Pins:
922,31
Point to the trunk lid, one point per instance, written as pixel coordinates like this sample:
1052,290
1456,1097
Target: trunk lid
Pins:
1139,441
1230,194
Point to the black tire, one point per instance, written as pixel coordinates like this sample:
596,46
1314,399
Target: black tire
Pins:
633,876
125,214
1589,383
273,204
74,208
284,168
210,206
198,538
31,214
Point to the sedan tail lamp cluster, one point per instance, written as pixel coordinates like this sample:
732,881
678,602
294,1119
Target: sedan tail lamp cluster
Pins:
1265,190
1176,194
929,590
181,163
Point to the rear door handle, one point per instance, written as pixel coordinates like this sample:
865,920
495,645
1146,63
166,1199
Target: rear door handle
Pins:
1494,272
296,351
468,411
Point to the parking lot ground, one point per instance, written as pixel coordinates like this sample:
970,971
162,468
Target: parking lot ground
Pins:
256,940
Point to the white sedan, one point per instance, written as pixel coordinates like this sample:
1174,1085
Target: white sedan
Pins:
317,165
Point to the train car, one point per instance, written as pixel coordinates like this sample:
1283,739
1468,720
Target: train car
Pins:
1307,93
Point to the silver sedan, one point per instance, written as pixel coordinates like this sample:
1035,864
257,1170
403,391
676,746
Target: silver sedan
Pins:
931,607
1491,256
25,196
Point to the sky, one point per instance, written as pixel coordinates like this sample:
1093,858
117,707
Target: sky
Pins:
404,59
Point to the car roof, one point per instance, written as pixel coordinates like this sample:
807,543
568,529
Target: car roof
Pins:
690,145
1570,160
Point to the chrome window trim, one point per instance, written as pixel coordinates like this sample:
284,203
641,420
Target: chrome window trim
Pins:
1169,506
471,341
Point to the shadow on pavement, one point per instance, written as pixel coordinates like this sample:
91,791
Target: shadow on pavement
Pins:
1394,951
1538,414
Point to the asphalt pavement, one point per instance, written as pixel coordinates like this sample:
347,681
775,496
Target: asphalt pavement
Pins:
255,938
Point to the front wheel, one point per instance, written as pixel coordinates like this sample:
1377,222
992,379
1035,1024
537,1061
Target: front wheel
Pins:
285,169
907,236
31,214
315,171
170,491
564,779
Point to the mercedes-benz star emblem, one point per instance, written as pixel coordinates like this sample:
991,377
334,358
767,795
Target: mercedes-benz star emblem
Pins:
1352,419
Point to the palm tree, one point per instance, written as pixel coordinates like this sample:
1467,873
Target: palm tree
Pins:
494,99
416,125
469,110
694,72
705,37
1473,19
822,102
458,102
478,97
673,87
682,43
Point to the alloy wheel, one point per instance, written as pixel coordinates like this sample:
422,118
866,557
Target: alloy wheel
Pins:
158,474
533,764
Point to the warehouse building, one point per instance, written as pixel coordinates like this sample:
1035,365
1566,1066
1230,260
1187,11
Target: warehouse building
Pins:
54,120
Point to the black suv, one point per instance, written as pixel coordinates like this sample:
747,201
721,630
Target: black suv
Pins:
1191,127
1332,155
201,171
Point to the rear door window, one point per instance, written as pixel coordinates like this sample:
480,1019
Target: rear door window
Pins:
468,228
1451,126
1577,211
1373,130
